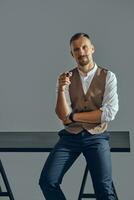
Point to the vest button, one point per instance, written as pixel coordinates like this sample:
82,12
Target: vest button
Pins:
85,101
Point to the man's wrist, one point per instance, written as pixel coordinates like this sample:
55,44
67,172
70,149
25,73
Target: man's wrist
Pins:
61,89
71,117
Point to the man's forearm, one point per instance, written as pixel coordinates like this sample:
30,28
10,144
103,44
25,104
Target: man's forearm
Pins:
62,108
89,117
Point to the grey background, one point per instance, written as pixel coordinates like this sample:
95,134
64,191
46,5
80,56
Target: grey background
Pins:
34,50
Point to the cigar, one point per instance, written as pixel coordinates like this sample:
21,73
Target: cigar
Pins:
69,74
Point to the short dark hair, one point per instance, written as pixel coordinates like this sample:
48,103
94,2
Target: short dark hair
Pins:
77,36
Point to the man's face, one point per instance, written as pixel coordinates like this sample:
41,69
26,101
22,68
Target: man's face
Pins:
82,50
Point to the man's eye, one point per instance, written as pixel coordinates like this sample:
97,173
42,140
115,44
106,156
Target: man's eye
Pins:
85,47
76,49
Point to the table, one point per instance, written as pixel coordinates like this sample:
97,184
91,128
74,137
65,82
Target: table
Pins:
45,141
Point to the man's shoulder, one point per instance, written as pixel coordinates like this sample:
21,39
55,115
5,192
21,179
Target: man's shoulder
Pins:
70,70
107,70
73,69
104,68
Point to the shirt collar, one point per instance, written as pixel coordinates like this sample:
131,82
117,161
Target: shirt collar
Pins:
91,72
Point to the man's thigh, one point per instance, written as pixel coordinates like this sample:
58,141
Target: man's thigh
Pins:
98,157
60,160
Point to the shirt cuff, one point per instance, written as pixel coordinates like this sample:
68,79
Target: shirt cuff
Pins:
108,114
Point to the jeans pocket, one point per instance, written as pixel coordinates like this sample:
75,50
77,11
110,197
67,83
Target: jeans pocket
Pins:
63,132
106,134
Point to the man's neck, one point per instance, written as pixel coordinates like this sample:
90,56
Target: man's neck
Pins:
86,68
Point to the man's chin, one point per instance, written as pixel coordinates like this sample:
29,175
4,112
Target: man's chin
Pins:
82,64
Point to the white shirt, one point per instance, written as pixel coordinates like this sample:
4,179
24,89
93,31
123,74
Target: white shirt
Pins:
110,100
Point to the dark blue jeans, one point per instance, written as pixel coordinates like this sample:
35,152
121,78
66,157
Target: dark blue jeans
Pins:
96,151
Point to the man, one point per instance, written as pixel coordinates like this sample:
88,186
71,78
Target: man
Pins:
86,101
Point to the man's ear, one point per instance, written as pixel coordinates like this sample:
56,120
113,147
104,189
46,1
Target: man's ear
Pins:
71,53
93,48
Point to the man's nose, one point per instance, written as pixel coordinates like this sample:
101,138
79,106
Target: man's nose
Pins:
81,52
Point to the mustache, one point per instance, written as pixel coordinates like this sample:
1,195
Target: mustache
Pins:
82,56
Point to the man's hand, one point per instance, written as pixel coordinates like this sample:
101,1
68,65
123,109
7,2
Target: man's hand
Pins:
64,80
67,121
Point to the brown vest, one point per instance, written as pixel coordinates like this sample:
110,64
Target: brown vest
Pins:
90,101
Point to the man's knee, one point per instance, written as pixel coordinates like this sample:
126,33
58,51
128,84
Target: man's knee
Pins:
46,184
106,191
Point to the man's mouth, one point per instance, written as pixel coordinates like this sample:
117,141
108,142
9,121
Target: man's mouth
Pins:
82,57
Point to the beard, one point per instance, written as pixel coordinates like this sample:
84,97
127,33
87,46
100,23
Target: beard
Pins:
83,60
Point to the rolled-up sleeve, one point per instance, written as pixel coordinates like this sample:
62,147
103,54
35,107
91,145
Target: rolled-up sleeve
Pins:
110,104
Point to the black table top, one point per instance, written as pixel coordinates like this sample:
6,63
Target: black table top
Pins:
45,141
